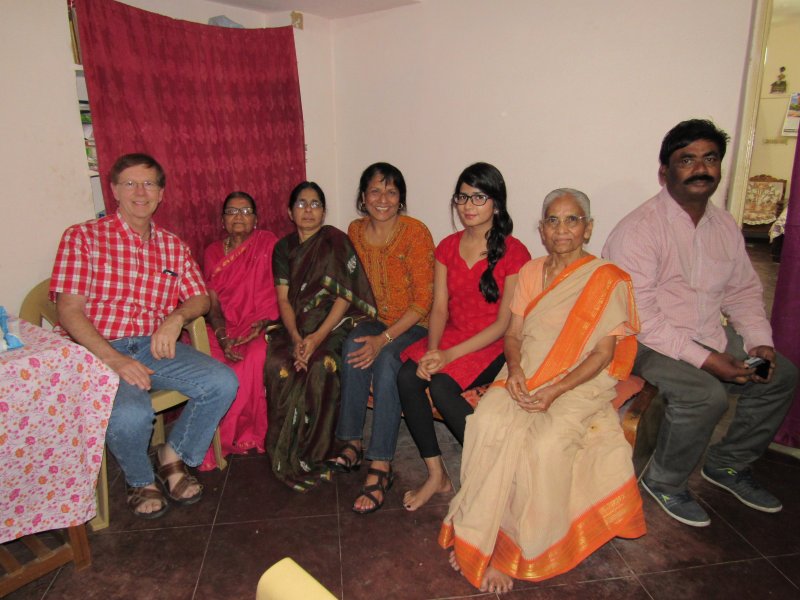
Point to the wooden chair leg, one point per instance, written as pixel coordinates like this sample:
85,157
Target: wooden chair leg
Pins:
158,431
103,517
217,444
81,555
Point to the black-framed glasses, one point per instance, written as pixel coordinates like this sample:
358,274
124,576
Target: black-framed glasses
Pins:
571,221
245,211
478,199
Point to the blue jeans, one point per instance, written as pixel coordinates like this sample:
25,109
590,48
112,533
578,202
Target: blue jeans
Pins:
382,374
210,386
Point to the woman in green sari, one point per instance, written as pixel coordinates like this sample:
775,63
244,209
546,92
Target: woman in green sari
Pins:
322,292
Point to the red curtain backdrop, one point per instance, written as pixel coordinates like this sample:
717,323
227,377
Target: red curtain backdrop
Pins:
786,308
219,108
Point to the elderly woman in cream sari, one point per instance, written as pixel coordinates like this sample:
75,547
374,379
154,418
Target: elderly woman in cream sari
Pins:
546,472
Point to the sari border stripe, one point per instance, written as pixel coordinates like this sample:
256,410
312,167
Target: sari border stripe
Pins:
618,515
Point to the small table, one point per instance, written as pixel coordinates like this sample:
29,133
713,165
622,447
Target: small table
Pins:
55,402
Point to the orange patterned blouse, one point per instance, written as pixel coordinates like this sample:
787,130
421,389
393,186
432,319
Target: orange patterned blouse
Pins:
400,272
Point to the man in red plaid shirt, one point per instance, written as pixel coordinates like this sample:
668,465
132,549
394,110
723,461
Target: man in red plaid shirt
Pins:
124,288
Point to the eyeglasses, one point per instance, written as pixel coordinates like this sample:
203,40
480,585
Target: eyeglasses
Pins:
314,204
477,199
147,186
571,221
245,211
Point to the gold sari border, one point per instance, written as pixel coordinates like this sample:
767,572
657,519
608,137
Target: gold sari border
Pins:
618,515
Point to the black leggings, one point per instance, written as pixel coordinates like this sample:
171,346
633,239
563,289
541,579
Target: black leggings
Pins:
446,396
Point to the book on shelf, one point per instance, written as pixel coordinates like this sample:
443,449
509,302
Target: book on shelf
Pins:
73,33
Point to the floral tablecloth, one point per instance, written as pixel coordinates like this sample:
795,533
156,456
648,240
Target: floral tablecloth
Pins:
55,402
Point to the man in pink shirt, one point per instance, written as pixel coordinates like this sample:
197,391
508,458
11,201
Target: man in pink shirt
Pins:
688,263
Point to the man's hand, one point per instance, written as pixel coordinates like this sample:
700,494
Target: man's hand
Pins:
130,370
726,367
767,353
162,342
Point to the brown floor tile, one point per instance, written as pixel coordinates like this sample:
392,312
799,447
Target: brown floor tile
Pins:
161,563
789,565
672,545
771,534
612,589
745,579
393,555
201,513
239,553
252,493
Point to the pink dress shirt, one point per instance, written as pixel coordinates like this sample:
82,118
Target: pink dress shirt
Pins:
685,276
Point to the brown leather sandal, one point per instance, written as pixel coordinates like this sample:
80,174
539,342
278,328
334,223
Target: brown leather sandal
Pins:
139,495
176,492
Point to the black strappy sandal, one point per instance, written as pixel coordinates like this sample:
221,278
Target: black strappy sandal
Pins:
350,464
385,482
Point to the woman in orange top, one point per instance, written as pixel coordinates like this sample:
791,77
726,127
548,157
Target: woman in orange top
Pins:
546,472
397,253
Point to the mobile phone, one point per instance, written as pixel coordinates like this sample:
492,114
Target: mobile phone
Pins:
761,366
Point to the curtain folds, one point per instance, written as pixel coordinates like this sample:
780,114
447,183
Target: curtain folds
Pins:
786,307
219,108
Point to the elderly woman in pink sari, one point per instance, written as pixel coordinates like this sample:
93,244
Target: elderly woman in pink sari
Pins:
238,271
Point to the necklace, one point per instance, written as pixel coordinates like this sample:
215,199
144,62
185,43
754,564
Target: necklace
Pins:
226,245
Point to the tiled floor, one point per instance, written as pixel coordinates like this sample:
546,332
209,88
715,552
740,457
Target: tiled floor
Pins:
247,521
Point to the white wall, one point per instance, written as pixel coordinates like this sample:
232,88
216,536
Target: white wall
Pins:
572,93
783,50
575,93
45,183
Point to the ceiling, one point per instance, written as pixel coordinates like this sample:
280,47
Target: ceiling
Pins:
331,9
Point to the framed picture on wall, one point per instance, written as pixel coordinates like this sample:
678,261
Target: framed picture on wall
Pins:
792,119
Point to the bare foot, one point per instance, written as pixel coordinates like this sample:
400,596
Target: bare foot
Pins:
495,581
167,455
454,562
435,484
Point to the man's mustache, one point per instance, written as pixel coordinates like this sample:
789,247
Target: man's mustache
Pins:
694,178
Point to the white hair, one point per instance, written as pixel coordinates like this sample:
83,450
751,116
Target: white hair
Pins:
581,198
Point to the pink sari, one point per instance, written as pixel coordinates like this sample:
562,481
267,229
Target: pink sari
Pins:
243,282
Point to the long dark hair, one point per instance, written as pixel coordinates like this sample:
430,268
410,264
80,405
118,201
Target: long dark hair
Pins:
489,180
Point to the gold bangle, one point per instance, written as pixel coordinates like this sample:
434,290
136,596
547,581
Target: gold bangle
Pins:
389,338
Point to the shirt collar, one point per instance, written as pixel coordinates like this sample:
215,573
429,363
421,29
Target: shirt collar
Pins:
128,232
674,211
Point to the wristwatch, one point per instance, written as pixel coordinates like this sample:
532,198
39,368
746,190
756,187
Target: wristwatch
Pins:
388,337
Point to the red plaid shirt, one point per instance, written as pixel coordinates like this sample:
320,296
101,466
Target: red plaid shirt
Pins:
130,286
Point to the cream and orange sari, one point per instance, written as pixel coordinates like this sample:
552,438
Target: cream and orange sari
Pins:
542,491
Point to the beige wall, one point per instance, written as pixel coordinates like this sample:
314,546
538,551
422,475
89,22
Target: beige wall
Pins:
42,166
783,50
572,93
